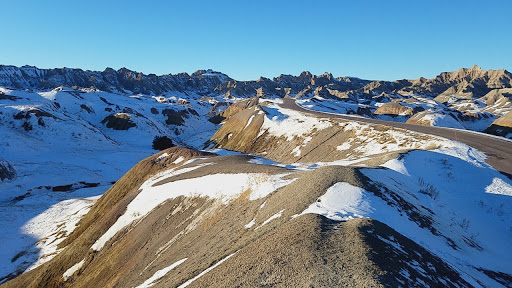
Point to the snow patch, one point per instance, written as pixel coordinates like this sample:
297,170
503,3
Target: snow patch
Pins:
341,202
499,187
464,152
250,224
442,120
160,273
205,271
289,123
262,184
458,191
396,165
275,216
72,270
162,156
59,219
179,160
343,147
296,151
249,121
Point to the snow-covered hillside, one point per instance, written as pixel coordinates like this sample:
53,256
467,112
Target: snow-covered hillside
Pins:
430,197
61,147
469,115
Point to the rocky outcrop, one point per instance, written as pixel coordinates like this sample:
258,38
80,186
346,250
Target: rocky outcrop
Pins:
467,83
240,131
496,96
239,106
33,111
394,109
502,126
431,118
217,108
118,121
498,100
260,130
7,172
177,117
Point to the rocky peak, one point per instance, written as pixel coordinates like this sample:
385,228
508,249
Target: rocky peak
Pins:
476,67
305,74
326,75
322,80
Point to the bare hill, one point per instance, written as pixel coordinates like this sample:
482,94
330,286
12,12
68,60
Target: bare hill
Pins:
277,249
502,126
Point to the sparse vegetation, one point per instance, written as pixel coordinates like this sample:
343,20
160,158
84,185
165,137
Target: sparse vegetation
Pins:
432,146
162,143
464,224
428,189
243,198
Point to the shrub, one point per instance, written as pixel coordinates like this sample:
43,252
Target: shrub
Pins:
162,143
428,189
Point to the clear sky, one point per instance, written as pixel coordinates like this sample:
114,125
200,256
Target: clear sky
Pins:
385,40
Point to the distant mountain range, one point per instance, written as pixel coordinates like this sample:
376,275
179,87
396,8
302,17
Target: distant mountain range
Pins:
464,83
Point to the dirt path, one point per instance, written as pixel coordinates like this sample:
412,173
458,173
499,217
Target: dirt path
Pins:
499,151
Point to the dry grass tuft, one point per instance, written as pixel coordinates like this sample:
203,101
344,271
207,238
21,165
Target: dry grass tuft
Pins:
243,198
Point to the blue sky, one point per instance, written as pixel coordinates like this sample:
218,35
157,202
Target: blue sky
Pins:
385,40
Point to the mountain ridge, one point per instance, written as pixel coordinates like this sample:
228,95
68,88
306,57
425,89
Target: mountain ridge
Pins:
465,82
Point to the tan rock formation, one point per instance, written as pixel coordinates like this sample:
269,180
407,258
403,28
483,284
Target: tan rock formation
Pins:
394,108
